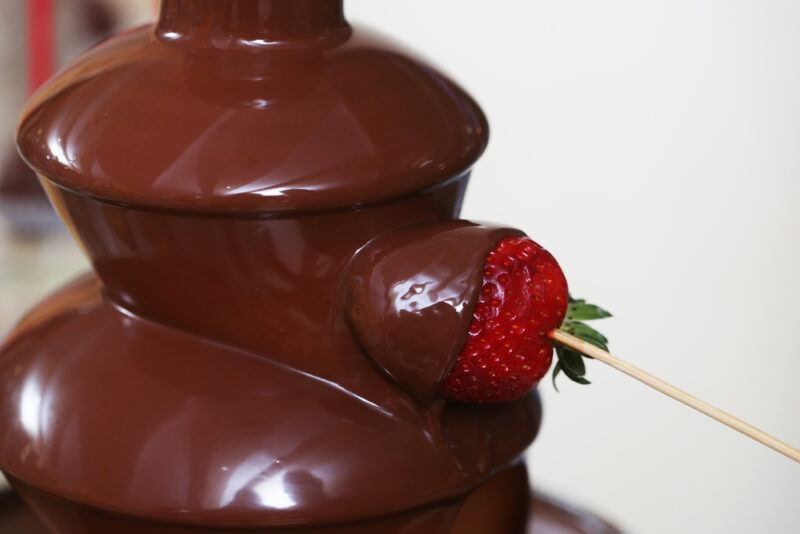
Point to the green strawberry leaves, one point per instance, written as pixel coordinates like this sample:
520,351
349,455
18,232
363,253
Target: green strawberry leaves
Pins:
570,362
579,310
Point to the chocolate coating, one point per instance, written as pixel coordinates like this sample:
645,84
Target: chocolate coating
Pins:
221,170
223,342
251,105
411,297
126,415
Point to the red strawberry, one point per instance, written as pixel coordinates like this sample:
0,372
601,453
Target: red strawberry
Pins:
524,296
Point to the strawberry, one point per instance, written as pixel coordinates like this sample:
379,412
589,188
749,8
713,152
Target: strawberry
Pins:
523,297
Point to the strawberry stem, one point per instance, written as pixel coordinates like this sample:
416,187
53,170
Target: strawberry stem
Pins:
570,361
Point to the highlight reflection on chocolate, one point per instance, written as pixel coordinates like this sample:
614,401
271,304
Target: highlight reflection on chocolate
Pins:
243,177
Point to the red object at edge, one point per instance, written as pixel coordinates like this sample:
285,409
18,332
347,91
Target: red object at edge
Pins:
40,42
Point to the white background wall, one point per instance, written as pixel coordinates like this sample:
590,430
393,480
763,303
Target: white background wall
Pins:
654,147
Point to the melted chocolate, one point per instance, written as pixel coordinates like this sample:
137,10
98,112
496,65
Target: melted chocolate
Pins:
133,417
222,170
551,517
251,105
412,293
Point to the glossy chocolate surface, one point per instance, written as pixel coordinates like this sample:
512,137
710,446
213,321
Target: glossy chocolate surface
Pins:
251,105
411,295
127,415
551,517
252,180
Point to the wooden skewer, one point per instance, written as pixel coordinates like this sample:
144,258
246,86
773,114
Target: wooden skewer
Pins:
679,395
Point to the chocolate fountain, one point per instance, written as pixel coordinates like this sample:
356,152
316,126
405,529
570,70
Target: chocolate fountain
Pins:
269,199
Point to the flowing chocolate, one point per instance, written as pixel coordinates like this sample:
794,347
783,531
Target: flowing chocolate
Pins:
258,105
221,170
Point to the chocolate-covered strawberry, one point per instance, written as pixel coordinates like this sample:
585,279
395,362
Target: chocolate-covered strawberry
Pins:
523,298
464,311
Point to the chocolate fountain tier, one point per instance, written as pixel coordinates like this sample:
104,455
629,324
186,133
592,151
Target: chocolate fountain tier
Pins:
135,418
266,105
551,517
